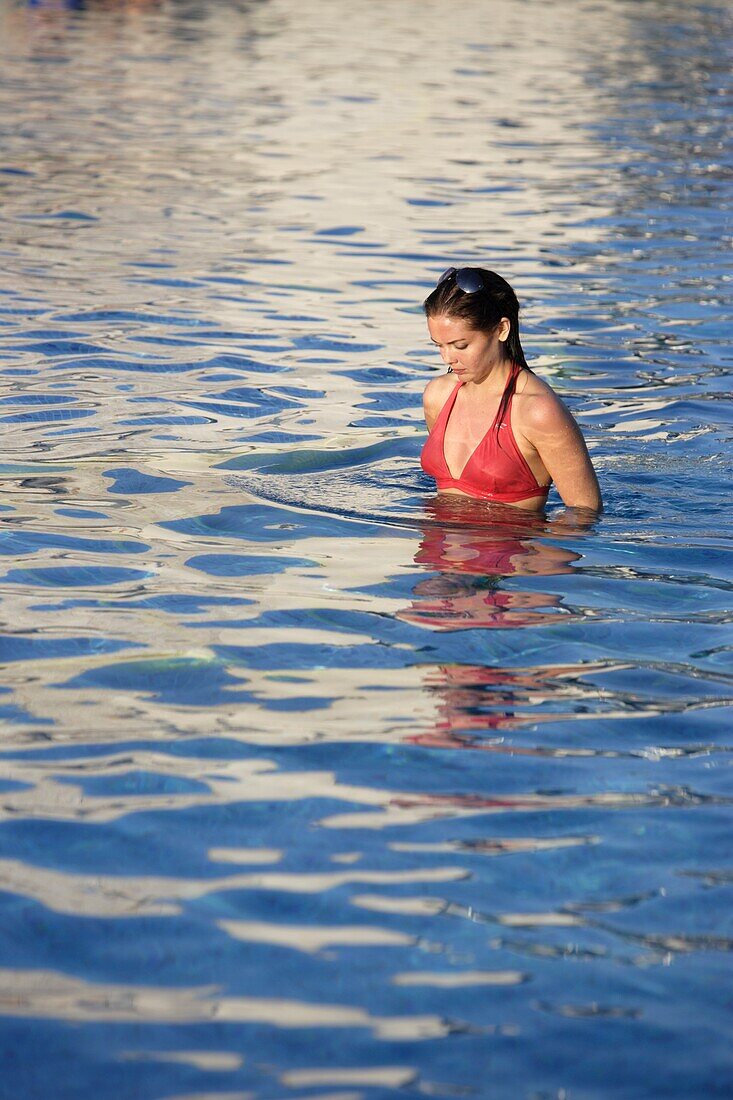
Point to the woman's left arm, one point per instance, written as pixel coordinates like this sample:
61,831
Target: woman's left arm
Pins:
551,429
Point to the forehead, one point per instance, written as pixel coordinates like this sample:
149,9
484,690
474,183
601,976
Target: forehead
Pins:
446,330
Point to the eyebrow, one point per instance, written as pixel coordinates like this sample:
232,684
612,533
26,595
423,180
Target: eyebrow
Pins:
438,344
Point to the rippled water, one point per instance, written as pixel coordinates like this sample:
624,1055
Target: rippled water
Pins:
314,785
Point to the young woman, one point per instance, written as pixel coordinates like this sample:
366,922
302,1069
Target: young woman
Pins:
497,432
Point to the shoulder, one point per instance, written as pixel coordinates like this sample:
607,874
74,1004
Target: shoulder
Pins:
436,393
540,411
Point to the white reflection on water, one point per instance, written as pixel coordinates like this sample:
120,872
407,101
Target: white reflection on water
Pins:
41,993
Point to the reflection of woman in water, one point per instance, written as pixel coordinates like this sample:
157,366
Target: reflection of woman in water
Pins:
469,551
497,432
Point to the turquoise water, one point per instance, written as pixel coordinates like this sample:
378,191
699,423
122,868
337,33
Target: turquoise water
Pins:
313,785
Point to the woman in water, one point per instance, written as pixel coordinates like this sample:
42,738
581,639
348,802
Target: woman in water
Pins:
497,431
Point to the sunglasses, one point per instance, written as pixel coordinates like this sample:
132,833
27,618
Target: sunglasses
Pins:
468,279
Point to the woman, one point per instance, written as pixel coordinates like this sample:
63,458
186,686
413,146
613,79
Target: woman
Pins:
497,432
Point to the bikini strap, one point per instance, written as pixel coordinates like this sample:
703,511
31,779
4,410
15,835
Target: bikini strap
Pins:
447,406
505,404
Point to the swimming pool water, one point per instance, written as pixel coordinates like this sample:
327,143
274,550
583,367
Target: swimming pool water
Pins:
315,785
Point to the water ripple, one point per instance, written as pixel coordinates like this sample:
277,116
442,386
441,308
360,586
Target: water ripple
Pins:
296,754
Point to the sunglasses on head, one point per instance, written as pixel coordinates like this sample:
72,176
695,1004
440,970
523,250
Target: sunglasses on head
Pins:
467,279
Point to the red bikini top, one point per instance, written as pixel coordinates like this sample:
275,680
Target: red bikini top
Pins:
497,469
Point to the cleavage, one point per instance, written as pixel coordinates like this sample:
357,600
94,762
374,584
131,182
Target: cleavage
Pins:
474,431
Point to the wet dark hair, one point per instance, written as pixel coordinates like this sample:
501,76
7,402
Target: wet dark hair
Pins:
482,310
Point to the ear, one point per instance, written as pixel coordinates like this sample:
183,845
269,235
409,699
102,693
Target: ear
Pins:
503,329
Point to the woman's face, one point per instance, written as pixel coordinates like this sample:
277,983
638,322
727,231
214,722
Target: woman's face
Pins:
469,352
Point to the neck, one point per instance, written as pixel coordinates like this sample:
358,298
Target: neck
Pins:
497,378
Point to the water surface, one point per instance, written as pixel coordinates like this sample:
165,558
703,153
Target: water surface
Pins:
314,785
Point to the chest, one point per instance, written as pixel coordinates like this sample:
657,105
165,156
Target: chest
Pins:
466,429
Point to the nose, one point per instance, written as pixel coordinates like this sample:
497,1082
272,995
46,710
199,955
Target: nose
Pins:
448,356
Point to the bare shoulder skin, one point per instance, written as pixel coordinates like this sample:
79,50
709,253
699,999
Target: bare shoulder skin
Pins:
436,393
553,444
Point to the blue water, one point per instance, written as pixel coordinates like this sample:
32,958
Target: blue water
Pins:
315,785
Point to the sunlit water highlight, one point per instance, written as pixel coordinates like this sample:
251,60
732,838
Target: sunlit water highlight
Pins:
314,785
